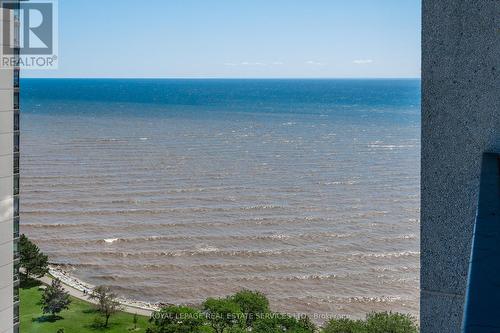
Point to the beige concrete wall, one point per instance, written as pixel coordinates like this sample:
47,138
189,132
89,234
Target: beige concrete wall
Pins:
6,200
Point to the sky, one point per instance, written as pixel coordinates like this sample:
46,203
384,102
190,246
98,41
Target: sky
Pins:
237,39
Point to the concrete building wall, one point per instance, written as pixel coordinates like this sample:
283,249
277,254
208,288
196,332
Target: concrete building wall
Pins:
460,121
6,201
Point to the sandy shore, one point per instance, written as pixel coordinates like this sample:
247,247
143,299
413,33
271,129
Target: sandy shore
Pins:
76,288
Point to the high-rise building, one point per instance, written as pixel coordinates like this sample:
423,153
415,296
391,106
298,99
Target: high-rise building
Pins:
9,184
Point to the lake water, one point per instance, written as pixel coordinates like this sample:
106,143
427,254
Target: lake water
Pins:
179,190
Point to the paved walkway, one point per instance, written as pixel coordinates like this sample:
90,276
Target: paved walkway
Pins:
78,294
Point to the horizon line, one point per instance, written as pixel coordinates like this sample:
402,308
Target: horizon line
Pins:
227,78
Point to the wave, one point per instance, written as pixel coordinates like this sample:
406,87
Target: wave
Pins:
388,254
149,211
216,237
58,225
202,251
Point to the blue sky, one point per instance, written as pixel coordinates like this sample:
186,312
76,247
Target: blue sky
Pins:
238,38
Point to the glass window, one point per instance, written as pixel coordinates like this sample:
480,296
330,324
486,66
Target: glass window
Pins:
16,163
16,294
16,227
16,143
16,120
16,100
16,313
17,34
16,52
16,275
16,78
16,185
16,206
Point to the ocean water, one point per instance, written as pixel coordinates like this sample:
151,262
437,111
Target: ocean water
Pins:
178,190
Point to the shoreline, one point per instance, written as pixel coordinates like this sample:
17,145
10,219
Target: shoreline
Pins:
76,287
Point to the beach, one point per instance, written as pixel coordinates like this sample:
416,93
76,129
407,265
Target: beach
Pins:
81,290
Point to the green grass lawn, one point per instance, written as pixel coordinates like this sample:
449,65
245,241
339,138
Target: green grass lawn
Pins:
78,319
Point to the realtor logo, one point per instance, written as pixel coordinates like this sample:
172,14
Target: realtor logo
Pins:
29,33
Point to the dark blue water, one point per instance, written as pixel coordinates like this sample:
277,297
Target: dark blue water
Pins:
391,100
177,190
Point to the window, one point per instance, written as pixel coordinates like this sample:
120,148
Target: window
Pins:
16,185
16,313
16,206
16,227
16,249
16,78
16,163
16,271
16,294
16,52
16,120
16,142
16,100
17,27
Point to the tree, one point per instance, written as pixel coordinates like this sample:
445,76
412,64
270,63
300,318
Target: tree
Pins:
107,303
252,303
33,262
177,319
279,323
383,322
223,313
345,325
55,298
388,322
306,324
